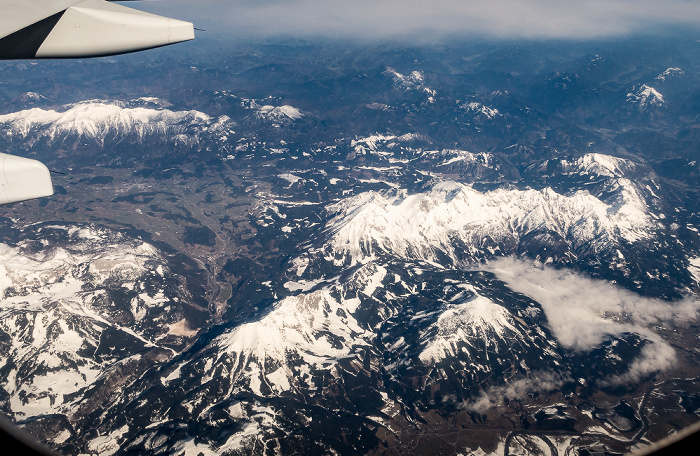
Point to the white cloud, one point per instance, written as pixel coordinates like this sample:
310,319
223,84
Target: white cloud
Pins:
655,357
420,19
582,312
536,382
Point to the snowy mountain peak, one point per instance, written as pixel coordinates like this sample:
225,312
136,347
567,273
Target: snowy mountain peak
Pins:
413,81
670,73
284,112
32,96
476,319
598,165
318,327
646,97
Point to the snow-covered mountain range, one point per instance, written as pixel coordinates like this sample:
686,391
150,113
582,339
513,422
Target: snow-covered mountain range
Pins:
357,252
390,296
97,120
463,224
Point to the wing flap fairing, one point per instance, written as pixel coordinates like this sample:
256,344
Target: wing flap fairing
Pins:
23,179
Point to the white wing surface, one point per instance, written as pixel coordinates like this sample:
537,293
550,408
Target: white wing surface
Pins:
36,29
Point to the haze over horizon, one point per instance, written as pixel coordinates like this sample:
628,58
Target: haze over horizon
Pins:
427,21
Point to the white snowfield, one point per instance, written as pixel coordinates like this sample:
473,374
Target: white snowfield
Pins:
452,217
54,308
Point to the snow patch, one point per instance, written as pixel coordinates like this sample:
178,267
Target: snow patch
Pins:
481,109
670,73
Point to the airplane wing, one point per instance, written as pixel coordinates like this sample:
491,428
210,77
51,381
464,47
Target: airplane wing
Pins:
41,29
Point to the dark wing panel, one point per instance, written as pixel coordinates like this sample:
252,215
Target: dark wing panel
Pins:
24,43
18,14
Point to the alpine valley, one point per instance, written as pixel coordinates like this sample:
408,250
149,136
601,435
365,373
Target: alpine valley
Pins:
325,248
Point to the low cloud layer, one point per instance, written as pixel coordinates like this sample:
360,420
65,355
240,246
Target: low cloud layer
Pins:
582,312
537,382
419,19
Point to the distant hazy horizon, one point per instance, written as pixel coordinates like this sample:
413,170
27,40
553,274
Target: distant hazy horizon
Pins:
426,21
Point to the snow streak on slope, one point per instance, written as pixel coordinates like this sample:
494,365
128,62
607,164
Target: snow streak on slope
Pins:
100,119
459,222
